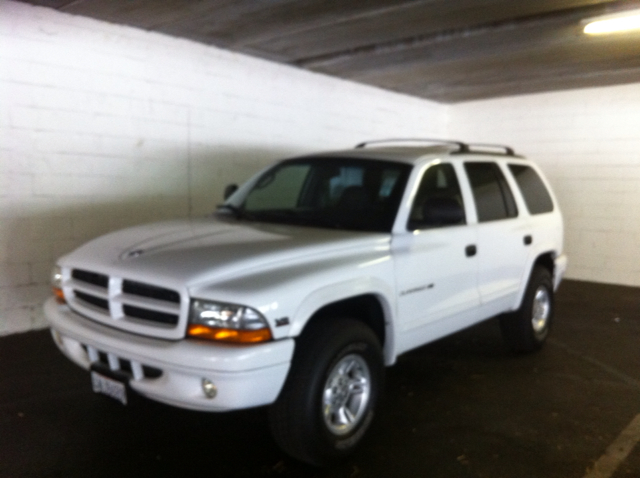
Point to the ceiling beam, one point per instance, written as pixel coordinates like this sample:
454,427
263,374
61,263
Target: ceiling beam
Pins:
430,41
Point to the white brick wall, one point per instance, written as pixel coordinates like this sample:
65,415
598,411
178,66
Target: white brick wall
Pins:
588,143
103,126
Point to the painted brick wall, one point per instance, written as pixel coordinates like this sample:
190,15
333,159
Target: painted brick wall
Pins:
588,143
104,126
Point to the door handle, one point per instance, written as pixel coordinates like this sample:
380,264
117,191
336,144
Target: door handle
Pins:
471,250
527,240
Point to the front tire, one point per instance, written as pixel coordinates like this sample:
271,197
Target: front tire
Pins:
526,329
328,401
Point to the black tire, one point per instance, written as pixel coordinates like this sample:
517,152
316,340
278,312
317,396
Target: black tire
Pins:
526,329
301,423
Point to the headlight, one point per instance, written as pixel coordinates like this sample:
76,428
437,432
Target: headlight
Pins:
56,284
227,322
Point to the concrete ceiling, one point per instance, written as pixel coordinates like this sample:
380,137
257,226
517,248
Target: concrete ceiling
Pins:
444,50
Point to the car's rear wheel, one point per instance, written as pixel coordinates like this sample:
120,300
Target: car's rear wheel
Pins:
526,329
328,401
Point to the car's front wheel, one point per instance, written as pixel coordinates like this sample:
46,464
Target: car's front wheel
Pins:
329,398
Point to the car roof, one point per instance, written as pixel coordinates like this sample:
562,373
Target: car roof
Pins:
401,154
414,153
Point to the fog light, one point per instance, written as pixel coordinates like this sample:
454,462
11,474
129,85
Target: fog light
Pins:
209,388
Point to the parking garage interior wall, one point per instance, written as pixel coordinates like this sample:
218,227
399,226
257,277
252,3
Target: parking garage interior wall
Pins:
588,144
105,126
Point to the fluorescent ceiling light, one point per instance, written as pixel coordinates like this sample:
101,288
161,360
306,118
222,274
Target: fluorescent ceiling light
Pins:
618,22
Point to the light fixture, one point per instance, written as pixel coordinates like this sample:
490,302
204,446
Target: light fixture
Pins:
614,23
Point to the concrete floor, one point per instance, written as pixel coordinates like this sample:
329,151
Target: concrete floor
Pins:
461,407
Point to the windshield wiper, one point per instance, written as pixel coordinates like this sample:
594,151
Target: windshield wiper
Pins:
295,218
234,210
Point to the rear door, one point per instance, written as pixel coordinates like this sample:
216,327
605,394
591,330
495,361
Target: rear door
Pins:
504,236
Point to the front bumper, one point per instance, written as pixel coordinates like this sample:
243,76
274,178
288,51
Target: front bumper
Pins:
245,376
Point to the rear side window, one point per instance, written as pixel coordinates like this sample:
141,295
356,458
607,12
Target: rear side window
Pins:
494,200
533,190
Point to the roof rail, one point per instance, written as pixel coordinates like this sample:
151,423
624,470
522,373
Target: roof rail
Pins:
462,147
508,151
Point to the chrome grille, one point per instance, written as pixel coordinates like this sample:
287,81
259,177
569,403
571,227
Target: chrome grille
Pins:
107,298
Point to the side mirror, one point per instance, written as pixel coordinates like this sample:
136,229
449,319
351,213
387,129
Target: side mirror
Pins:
442,212
229,190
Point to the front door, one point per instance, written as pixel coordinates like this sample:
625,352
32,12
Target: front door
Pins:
436,263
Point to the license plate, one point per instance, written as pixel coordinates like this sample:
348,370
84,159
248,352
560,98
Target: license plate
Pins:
109,387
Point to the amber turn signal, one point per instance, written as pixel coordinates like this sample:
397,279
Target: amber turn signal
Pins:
59,295
229,335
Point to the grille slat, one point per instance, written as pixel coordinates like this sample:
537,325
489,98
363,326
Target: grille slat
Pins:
92,299
146,303
156,306
90,289
101,280
152,315
152,292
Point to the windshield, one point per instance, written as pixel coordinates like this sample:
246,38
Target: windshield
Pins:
353,194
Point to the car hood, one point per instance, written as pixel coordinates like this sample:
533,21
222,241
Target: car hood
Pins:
191,252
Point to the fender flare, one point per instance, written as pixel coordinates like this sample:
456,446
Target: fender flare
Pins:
332,293
529,269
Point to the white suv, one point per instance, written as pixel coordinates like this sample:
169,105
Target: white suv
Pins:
309,279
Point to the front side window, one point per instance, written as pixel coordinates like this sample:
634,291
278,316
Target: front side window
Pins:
353,194
438,201
534,192
278,191
494,200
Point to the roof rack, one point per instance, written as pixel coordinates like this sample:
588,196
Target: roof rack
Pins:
462,147
508,151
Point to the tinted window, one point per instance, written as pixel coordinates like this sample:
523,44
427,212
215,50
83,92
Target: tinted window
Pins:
438,201
533,189
277,191
491,192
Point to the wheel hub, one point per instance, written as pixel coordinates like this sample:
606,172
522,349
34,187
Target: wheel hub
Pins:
541,310
346,394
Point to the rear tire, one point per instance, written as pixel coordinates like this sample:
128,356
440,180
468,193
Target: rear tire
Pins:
328,400
526,329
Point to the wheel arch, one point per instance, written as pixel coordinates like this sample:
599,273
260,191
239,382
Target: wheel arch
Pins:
544,259
526,329
371,308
